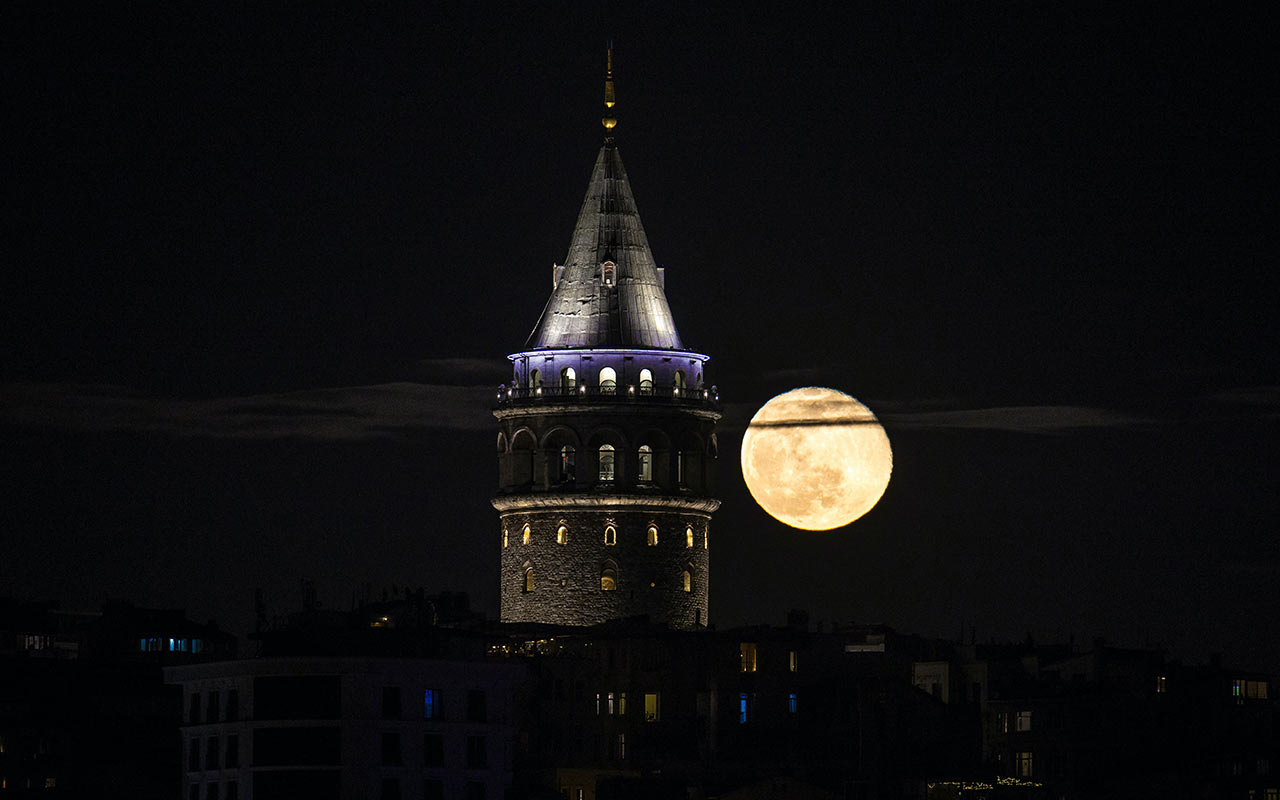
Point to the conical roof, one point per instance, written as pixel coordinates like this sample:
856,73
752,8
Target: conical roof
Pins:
584,311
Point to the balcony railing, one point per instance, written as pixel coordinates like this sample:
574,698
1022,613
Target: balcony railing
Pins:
514,396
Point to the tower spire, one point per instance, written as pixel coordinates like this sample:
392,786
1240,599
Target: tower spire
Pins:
609,121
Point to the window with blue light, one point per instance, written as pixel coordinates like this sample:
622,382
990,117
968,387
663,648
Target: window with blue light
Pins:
742,709
791,703
431,704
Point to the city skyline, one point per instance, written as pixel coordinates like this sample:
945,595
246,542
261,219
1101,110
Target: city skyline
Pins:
270,266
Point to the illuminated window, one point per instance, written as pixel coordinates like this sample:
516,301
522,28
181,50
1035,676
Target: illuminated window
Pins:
677,383
688,537
609,579
562,535
747,657
791,703
652,707
622,704
535,379
608,380
568,378
431,704
610,535
606,462
528,579
524,534
687,578
1162,685
1023,764
742,708
646,382
608,273
568,468
609,704
504,537
645,471
706,539
793,661
653,536
1023,722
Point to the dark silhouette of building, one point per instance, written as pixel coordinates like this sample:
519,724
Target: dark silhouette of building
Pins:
606,443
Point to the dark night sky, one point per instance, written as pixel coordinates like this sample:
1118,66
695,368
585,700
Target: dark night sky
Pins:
262,269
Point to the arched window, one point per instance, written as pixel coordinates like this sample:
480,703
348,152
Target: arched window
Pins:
608,273
687,579
568,379
606,462
653,536
646,382
524,534
608,380
567,470
610,535
504,537
677,383
688,537
609,578
535,379
706,539
528,579
645,472
562,535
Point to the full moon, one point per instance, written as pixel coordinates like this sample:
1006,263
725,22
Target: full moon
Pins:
815,458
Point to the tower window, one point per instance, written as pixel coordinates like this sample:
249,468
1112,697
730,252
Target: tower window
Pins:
608,380
680,468
608,273
646,382
535,379
645,471
610,535
677,383
609,579
525,534
688,580
567,469
504,537
688,537
528,579
706,539
568,379
653,536
747,657
562,535
606,462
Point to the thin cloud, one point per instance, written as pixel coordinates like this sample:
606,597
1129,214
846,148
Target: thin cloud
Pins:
350,413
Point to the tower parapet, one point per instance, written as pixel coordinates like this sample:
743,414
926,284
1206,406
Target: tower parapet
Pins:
606,446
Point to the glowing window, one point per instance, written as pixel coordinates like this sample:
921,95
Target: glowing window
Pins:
645,471
646,382
610,535
688,537
608,273
706,539
1162,685
431,704
609,704
567,469
1023,721
608,380
1023,762
562,535
535,379
568,378
791,703
747,657
606,462
652,707
687,578
622,704
528,579
742,708
677,383
609,579
524,535
653,536
793,661
504,537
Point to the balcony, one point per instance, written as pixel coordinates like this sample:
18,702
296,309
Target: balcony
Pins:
668,395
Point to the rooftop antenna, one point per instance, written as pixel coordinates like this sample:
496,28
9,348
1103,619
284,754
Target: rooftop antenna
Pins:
609,121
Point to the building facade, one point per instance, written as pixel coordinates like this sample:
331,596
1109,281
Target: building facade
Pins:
606,444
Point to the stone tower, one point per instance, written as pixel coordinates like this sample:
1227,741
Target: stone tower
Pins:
607,447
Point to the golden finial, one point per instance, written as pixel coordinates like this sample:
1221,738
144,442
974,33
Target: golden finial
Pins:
609,121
